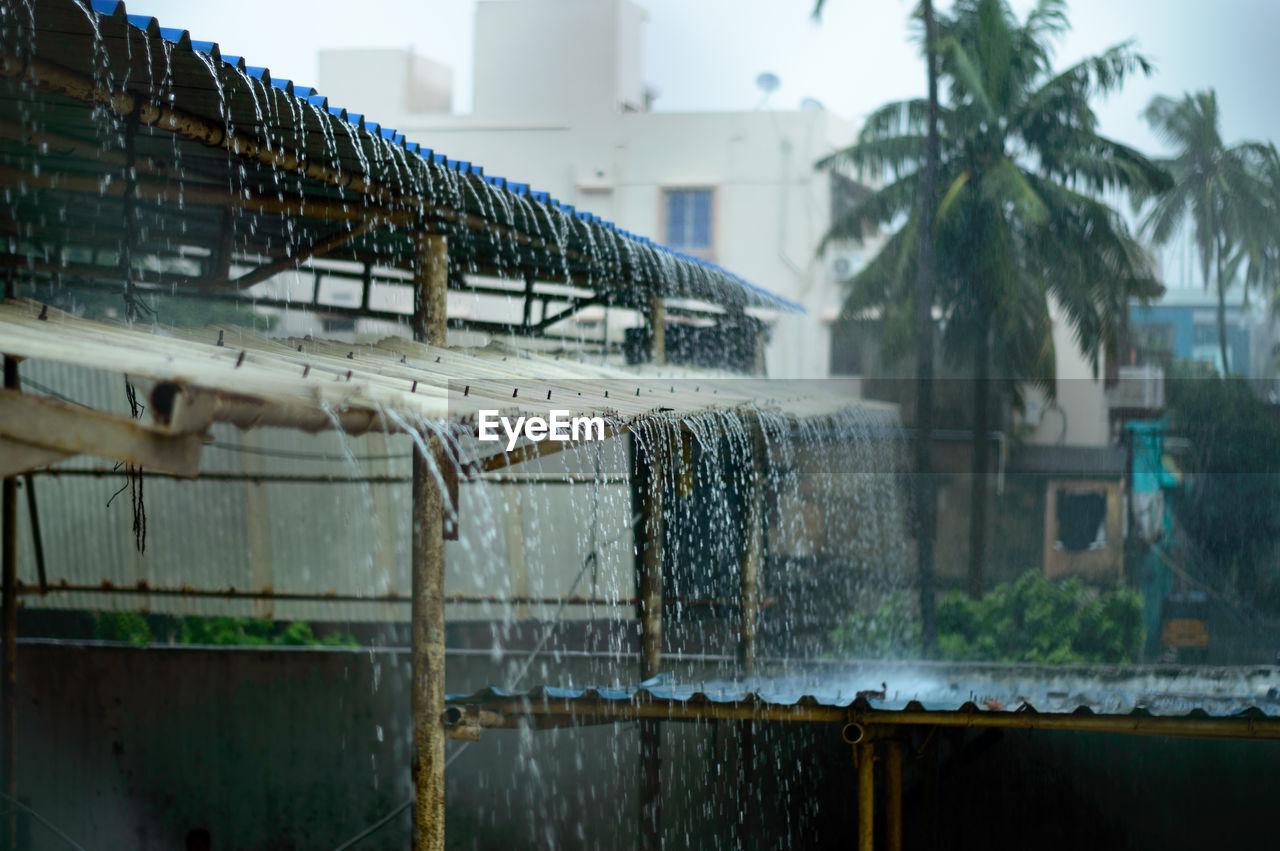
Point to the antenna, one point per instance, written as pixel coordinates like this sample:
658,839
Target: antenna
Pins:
767,82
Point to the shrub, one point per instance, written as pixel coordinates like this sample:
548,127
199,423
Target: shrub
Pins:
256,632
1028,620
131,627
891,631
1035,620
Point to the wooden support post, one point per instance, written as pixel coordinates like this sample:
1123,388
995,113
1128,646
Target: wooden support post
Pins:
647,488
431,289
658,324
866,754
893,804
427,607
752,550
9,615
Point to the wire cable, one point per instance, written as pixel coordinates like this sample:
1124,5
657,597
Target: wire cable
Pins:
44,821
542,643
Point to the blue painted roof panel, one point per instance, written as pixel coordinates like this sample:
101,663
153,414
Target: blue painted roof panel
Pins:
697,279
1165,691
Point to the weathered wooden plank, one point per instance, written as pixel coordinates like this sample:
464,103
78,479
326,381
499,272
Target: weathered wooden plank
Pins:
58,426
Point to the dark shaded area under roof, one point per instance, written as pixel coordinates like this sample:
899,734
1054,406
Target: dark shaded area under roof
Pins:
131,142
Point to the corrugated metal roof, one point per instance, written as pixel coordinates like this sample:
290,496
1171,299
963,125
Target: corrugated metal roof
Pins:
307,548
337,156
983,691
234,375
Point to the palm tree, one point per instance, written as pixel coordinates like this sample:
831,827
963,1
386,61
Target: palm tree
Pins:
926,273
1224,192
1019,223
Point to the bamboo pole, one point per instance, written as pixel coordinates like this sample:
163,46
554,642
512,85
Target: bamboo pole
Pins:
866,756
649,486
647,470
427,607
9,614
893,784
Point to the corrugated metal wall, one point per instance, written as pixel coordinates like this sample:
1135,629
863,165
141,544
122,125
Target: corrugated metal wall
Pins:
336,538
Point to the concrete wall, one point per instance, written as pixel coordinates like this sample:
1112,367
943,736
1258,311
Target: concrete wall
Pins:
405,82
550,78
559,58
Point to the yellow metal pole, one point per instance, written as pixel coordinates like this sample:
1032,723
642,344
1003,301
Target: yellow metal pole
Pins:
427,605
866,796
893,784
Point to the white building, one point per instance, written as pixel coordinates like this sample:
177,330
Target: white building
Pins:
560,102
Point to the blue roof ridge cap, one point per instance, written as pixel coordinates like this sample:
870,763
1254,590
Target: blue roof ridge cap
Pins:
116,9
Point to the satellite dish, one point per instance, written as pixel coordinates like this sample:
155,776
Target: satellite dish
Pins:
812,104
768,83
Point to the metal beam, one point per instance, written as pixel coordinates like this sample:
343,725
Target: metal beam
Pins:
893,794
575,712
865,755
315,249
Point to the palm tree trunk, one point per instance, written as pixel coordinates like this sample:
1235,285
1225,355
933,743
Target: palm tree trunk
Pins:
981,463
926,501
1222,309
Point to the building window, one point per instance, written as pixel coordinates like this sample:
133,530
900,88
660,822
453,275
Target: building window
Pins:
1082,520
688,219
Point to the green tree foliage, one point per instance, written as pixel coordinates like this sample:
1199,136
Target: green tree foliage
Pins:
1034,620
1230,194
1028,620
131,627
1229,504
256,632
890,631
136,628
1020,223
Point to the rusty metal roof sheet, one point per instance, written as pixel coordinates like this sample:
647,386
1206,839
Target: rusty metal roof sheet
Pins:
959,694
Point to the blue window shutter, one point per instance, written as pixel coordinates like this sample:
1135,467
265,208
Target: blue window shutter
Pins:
676,218
700,237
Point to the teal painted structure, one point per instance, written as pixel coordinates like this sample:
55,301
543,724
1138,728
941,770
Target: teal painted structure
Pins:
1150,478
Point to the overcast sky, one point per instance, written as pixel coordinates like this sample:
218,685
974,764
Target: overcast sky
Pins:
706,54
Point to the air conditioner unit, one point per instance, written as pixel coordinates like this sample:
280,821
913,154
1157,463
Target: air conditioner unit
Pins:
846,264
